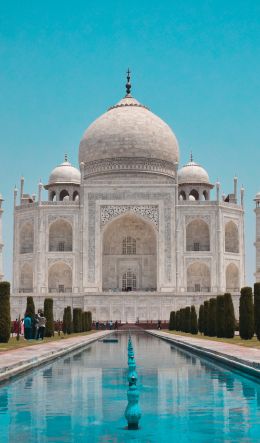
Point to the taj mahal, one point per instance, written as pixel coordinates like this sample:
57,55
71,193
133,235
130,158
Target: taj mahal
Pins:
130,235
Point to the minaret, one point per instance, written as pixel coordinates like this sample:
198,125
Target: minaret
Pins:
1,241
257,238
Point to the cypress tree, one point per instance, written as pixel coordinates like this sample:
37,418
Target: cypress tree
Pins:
30,308
77,320
246,314
187,319
257,309
48,314
205,317
182,321
89,323
64,321
177,317
212,318
229,316
201,319
5,317
85,322
68,320
172,325
220,316
193,320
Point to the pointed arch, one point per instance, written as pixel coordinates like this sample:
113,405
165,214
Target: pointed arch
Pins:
60,236
231,237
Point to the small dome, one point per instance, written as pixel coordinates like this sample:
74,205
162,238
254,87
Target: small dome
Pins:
257,197
193,173
128,129
65,173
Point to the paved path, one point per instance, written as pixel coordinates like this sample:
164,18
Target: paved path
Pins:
238,356
15,361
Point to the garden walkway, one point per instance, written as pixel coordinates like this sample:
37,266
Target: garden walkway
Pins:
15,361
243,358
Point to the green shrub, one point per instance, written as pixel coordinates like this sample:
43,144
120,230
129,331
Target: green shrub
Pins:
220,317
5,317
206,317
246,314
229,317
182,319
48,314
193,320
89,321
177,320
69,325
257,309
77,320
30,308
172,325
212,318
67,321
187,319
201,319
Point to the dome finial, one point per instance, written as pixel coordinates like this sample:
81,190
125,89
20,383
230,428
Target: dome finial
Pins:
191,157
65,157
128,84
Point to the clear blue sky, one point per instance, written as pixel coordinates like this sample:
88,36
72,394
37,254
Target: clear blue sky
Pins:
195,63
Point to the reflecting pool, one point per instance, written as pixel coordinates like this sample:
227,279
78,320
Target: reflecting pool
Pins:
82,398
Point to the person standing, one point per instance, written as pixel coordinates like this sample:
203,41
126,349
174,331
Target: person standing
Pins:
27,326
42,324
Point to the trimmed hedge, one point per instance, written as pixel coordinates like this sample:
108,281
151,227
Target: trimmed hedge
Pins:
5,317
211,324
201,319
229,316
257,309
220,314
77,320
193,320
48,314
172,322
178,321
246,314
30,308
206,318
67,321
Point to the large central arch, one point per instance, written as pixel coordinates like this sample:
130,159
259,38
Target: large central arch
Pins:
129,247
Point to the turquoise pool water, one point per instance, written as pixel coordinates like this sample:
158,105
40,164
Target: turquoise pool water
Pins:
82,398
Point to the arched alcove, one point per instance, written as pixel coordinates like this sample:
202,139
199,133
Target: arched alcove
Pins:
194,195
53,196
26,278
129,245
64,195
60,236
182,195
60,277
75,196
231,237
198,277
197,236
232,278
26,238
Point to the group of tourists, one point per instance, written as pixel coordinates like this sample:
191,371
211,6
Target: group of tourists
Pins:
107,325
31,327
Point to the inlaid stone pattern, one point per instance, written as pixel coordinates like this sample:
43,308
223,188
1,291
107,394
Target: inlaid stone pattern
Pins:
130,164
149,212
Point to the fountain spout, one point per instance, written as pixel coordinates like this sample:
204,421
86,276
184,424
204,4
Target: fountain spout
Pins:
133,411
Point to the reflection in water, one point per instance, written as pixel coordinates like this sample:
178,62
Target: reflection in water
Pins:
81,398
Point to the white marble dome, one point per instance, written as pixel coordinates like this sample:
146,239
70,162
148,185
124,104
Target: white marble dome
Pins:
193,173
257,197
128,129
65,173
